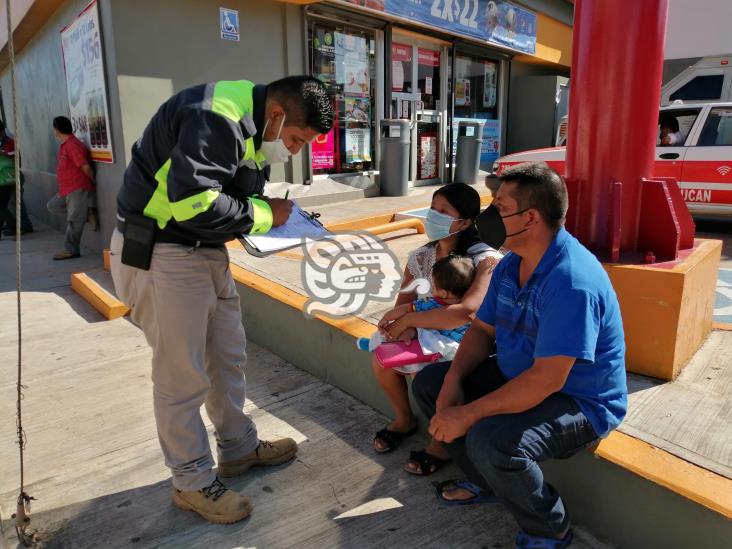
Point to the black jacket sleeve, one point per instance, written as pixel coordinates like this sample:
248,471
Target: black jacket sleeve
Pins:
206,158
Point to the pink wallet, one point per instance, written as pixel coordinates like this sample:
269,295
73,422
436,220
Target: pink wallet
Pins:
393,355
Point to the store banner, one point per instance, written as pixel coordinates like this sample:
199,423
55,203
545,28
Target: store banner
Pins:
428,58
497,22
81,47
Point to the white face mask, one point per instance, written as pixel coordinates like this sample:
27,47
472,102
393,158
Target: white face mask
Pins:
275,151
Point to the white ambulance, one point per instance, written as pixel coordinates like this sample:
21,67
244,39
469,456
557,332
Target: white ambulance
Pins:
701,162
707,80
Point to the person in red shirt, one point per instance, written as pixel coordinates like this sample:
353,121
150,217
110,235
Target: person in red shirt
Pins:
75,183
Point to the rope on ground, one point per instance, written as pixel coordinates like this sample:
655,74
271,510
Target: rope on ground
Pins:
22,513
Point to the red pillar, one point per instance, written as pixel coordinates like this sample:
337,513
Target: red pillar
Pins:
617,64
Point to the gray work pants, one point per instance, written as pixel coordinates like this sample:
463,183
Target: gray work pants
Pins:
188,307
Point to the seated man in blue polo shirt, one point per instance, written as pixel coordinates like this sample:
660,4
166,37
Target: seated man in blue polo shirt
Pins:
557,381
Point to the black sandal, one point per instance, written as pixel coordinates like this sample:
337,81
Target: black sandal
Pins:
392,439
426,463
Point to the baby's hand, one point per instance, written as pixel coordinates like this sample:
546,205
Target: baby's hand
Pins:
395,314
408,335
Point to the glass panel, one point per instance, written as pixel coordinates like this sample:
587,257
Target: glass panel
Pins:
344,59
475,98
428,77
700,88
717,129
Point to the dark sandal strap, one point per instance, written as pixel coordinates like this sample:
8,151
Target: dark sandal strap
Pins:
426,462
392,439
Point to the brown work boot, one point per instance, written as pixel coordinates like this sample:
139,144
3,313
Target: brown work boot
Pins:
266,453
65,255
215,503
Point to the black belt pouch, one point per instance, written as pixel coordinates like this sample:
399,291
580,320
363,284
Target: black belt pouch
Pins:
139,241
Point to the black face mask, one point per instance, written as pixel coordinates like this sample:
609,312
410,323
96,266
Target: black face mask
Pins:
491,229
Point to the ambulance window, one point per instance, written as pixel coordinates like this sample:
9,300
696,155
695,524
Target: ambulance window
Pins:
708,86
685,118
718,128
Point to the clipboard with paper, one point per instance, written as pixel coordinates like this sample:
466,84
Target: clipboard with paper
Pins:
300,224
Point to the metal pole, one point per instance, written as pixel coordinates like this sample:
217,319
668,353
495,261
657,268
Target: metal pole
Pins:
617,64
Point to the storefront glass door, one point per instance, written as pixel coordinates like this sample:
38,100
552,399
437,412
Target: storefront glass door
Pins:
418,86
476,91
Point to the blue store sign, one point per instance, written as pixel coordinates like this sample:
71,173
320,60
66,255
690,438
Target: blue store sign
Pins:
497,22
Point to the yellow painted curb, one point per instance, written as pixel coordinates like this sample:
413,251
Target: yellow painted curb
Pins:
353,326
699,485
99,298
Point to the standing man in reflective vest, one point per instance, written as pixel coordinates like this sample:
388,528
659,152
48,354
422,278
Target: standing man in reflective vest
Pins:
194,182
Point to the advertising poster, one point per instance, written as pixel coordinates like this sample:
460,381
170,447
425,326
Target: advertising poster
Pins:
462,92
428,152
323,148
81,47
358,144
491,148
357,110
490,71
462,81
352,64
401,65
324,65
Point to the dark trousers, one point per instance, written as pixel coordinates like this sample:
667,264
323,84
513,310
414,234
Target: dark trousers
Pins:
7,222
501,453
6,217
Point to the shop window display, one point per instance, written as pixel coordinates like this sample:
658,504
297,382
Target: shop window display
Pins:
343,59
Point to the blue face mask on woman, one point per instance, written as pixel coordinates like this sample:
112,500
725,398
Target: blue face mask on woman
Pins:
437,225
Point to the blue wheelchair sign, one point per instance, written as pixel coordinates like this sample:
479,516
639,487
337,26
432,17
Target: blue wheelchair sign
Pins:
229,24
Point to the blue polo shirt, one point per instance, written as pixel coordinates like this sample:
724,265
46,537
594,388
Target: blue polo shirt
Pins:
567,307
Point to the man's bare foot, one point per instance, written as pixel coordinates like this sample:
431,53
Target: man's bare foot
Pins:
457,494
463,492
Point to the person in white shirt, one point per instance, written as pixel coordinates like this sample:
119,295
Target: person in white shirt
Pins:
670,135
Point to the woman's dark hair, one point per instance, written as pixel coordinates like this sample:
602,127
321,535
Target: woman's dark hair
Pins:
63,125
466,200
